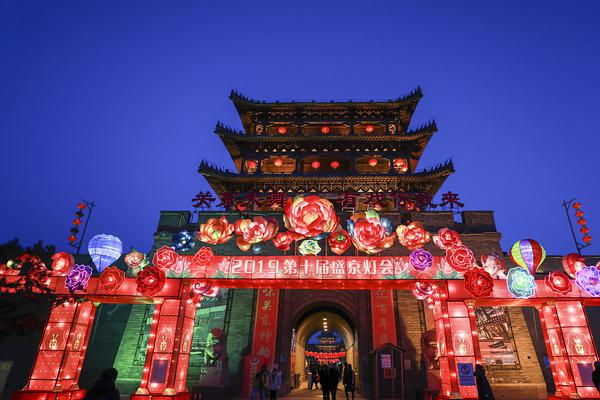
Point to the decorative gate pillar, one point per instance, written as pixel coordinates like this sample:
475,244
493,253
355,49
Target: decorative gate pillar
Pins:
570,348
458,347
168,352
60,355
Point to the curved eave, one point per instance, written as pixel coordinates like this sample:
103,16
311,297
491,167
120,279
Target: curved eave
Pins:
243,103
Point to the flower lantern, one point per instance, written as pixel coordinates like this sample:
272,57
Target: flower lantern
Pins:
183,241
251,164
215,231
460,258
309,247
283,241
572,263
588,280
111,279
413,235
528,254
309,216
446,238
479,282
334,164
203,256
62,263
372,162
558,282
254,231
492,263
136,261
315,164
150,281
78,277
420,259
282,130
370,233
325,130
278,162
104,250
400,164
369,128
520,283
424,290
339,241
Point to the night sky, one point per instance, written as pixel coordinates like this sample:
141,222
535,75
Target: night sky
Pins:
116,101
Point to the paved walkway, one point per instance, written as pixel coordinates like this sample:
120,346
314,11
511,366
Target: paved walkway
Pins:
304,393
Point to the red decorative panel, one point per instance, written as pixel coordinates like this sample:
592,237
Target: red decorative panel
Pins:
383,316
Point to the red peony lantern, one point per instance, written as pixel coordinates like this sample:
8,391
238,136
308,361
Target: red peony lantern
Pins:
558,282
412,236
111,279
72,238
334,164
460,258
339,241
373,162
325,129
315,164
282,130
479,282
369,128
446,238
150,281
283,241
164,258
278,162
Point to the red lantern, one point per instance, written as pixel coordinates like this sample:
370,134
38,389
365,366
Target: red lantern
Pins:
587,238
369,128
76,221
577,205
579,213
81,206
278,162
334,164
72,238
373,162
581,221
282,130
252,164
315,164
325,129
584,229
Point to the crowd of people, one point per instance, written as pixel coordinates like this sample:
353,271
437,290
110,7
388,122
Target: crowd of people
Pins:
266,381
328,376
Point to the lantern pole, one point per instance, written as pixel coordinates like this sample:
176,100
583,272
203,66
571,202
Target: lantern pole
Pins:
91,206
567,204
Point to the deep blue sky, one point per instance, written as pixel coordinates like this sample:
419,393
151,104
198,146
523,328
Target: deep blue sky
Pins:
116,101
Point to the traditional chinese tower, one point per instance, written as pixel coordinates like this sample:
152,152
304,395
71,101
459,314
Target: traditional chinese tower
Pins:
331,148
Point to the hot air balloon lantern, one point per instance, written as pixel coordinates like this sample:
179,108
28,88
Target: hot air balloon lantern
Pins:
528,254
104,250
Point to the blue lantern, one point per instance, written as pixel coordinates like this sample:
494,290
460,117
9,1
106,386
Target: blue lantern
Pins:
104,250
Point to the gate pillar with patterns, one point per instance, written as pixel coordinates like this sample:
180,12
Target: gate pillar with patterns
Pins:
570,347
56,370
168,351
458,345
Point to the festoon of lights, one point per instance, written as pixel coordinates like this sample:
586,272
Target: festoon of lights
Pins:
581,221
77,221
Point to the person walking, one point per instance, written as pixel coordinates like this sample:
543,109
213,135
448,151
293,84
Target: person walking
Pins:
596,375
104,388
258,385
274,381
324,380
334,380
348,381
484,390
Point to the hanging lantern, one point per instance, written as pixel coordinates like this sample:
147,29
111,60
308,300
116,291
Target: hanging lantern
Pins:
581,221
72,238
76,221
282,130
587,238
577,205
334,164
252,164
369,128
579,213
315,164
104,250
278,162
584,229
325,130
373,162
528,254
82,206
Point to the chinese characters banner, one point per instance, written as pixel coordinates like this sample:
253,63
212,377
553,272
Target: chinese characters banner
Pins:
383,316
265,324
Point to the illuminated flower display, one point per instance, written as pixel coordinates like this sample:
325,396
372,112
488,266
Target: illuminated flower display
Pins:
446,238
572,263
310,216
413,235
136,261
215,231
520,283
38,274
339,241
492,263
368,232
588,280
283,240
479,282
150,281
61,263
164,258
309,247
460,258
111,279
423,290
254,231
203,256
78,277
420,259
183,241
558,282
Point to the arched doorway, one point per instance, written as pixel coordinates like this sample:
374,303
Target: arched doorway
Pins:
322,335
